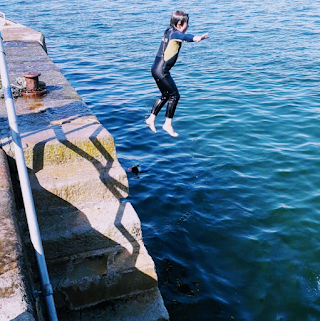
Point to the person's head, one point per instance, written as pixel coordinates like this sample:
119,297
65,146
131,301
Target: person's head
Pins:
179,19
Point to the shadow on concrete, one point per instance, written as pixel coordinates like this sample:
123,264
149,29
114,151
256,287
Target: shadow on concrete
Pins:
75,262
103,170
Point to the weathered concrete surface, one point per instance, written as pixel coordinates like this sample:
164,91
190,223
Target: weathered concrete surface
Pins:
65,230
147,305
103,275
92,240
13,30
15,301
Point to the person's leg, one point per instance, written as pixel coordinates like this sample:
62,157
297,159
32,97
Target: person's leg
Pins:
150,122
167,126
174,97
159,103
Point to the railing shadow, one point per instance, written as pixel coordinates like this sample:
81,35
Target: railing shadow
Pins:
102,169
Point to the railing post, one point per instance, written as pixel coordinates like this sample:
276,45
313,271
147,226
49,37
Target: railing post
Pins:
4,18
26,188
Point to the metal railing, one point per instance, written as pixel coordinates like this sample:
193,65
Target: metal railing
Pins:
4,18
26,189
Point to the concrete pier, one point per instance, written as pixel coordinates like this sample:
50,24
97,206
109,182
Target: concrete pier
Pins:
97,261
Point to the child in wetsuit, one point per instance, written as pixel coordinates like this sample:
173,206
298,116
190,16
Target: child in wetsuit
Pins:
164,61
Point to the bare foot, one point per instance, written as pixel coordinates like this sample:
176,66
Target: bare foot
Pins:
170,130
151,125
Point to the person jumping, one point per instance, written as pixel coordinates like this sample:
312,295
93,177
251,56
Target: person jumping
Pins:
164,61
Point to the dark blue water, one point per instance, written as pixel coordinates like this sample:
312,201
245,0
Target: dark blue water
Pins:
231,208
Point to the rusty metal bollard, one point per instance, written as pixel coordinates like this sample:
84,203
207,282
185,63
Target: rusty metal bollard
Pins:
32,85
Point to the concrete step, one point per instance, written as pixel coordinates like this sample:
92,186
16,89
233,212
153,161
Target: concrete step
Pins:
145,306
77,184
81,140
57,132
88,228
97,276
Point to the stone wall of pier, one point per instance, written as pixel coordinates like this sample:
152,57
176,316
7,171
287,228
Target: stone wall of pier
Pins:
98,264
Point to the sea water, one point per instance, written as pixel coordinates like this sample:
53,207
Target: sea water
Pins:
230,209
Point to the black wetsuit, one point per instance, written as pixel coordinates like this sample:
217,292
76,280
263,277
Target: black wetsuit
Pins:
165,59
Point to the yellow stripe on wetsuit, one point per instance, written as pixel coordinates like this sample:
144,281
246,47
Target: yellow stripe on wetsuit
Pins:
172,49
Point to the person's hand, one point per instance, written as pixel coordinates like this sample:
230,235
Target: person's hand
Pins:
199,38
205,36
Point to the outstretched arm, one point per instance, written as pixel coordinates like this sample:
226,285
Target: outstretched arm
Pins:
199,38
